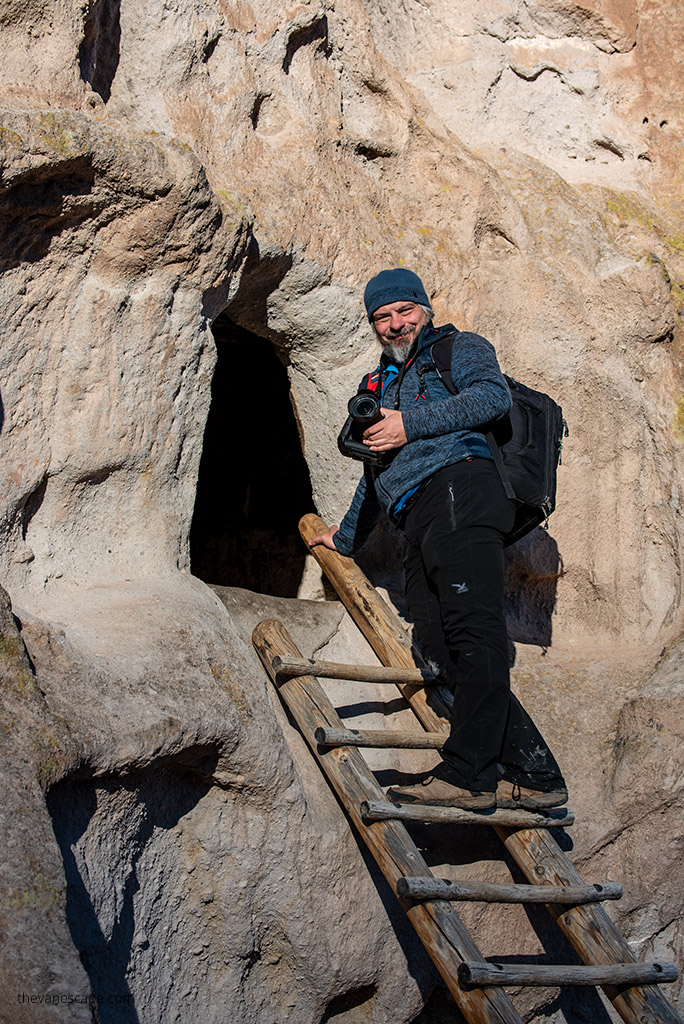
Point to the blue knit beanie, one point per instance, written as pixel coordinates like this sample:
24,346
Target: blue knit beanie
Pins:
393,286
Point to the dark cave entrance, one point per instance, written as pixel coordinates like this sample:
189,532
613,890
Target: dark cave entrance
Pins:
253,482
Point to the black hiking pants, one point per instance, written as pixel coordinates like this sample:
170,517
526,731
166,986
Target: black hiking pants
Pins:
455,596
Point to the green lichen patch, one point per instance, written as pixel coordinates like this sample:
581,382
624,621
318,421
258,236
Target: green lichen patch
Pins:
624,210
58,134
678,426
42,895
15,675
10,647
49,758
10,139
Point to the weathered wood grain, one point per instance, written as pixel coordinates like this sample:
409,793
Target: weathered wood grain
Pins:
550,975
413,740
588,928
441,930
286,668
494,892
591,932
379,624
373,810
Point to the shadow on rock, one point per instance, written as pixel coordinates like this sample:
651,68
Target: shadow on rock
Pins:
533,568
108,831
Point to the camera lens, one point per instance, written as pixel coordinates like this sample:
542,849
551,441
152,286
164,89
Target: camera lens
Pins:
364,408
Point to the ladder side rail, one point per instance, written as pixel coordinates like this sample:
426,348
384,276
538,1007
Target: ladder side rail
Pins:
439,927
582,925
588,928
377,621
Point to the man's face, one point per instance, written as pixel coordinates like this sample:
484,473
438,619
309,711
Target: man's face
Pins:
397,326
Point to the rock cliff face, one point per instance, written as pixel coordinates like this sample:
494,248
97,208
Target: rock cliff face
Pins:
167,164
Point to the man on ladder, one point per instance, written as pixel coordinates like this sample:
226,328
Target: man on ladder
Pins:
432,472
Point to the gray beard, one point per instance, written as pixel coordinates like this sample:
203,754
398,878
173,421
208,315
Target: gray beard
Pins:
399,352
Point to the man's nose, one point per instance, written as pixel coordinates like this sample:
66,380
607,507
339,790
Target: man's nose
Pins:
397,321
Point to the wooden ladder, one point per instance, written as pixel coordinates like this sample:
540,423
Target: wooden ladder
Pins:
476,985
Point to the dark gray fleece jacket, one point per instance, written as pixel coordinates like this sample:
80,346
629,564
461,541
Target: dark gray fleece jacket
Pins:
441,428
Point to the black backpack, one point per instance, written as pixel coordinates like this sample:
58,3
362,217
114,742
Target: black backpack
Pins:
525,445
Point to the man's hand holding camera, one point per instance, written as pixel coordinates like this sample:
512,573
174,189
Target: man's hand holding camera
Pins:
371,433
387,434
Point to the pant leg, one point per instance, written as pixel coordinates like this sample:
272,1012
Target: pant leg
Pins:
423,605
454,591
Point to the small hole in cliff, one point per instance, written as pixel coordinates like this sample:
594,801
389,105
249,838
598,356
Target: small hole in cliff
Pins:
372,152
314,34
253,482
610,147
256,109
100,49
209,47
32,505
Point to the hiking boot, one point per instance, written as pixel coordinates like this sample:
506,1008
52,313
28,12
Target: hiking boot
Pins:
511,795
433,790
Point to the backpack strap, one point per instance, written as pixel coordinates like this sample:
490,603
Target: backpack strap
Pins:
499,463
441,353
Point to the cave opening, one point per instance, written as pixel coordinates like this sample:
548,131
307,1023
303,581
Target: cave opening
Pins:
254,483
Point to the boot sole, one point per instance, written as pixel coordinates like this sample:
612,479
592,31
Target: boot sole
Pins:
529,804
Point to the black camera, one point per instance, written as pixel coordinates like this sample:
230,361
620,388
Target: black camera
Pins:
364,411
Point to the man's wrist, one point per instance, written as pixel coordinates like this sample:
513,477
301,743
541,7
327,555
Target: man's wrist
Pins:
338,541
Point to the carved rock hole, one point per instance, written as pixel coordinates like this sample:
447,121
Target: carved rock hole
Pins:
254,484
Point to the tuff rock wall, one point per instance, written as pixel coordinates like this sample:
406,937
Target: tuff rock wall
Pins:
163,163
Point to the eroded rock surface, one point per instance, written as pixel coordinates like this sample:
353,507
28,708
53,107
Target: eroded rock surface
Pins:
202,871
164,163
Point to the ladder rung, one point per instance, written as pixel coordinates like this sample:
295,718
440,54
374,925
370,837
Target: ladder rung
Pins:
377,810
428,888
286,668
379,738
478,975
